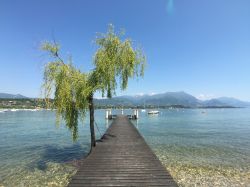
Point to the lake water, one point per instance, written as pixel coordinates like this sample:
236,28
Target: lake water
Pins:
202,147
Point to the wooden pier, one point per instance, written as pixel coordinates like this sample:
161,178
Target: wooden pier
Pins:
111,116
134,117
122,158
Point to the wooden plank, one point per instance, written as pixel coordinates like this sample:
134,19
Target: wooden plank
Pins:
122,158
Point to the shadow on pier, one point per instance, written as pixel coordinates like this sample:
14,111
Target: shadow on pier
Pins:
122,158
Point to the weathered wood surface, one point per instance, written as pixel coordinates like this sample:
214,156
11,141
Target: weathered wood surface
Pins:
122,158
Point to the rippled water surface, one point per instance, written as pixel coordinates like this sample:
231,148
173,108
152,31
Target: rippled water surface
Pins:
202,147
36,152
199,147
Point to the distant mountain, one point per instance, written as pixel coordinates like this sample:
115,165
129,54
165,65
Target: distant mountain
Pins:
215,103
165,99
11,96
233,102
170,99
142,100
226,101
158,100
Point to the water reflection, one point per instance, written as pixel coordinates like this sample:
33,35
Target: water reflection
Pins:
107,122
55,154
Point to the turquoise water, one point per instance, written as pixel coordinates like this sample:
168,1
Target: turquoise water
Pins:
199,147
36,152
202,147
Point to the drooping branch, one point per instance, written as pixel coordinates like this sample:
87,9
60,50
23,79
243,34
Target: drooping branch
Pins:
70,87
115,60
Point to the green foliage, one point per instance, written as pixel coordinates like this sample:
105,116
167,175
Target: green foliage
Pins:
115,59
53,49
70,90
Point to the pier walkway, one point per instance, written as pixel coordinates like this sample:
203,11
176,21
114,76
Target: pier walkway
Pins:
122,158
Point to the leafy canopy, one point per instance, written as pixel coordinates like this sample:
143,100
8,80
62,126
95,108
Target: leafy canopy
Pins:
115,61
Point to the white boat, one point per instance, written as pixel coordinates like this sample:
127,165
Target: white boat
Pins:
143,110
34,110
153,112
13,110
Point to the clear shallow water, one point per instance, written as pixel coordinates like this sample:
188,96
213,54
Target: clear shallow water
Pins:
36,152
202,149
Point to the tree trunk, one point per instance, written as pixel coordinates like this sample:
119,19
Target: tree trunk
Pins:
92,121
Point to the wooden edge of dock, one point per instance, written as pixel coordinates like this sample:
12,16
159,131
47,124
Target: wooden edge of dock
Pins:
122,158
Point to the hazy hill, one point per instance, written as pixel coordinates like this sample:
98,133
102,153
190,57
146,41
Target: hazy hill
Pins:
171,98
164,99
11,96
233,102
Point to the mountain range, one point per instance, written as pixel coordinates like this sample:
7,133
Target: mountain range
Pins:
11,96
171,99
165,99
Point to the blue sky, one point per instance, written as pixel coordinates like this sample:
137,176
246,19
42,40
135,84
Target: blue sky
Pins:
198,46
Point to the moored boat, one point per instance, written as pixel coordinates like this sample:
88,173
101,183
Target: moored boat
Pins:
153,112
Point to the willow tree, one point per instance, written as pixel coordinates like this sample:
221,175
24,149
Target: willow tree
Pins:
115,62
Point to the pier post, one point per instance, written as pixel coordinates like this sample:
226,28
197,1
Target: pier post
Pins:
136,113
107,114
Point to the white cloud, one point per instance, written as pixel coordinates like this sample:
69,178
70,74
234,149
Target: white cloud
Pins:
153,93
140,94
143,94
206,96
